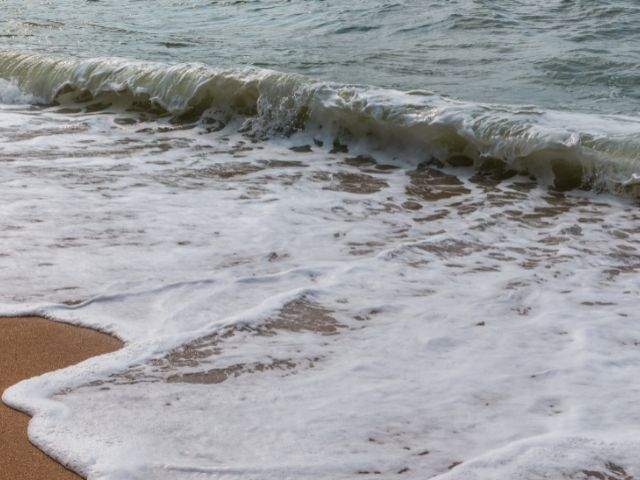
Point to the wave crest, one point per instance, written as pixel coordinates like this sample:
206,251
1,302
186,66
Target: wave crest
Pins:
569,149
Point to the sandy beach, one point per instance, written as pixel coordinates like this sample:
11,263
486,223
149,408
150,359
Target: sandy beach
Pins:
29,347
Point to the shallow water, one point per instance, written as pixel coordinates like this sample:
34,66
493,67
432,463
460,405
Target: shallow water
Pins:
321,280
302,314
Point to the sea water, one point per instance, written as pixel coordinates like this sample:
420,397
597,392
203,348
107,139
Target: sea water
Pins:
385,240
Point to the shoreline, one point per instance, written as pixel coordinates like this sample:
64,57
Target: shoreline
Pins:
31,346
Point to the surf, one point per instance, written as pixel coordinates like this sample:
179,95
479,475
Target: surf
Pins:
565,149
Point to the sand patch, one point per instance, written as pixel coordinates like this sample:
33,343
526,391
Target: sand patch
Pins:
30,347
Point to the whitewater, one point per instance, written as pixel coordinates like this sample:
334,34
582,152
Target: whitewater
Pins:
326,270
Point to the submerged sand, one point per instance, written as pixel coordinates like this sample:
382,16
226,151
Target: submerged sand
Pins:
29,347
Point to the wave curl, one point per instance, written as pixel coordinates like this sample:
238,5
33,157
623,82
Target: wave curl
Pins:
569,149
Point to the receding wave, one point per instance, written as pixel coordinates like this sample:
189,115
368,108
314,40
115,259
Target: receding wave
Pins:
569,149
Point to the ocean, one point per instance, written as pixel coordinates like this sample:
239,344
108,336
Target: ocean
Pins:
340,240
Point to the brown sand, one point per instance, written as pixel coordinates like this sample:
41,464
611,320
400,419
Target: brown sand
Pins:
29,347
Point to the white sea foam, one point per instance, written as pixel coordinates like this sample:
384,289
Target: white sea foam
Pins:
496,326
10,94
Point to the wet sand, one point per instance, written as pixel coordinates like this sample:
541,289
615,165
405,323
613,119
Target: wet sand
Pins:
29,347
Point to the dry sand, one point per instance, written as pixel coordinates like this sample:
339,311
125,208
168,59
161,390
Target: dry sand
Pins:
29,347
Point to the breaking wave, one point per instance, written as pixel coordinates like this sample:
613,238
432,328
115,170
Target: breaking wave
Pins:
568,149
10,94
